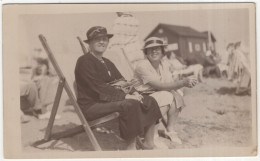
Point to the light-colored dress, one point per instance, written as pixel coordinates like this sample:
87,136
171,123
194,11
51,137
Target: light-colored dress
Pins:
47,82
239,62
146,73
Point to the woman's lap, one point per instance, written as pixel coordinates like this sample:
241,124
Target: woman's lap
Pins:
165,98
101,109
134,116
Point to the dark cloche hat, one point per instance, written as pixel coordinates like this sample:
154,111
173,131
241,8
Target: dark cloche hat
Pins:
97,31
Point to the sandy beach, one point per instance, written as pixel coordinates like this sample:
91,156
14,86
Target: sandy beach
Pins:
213,117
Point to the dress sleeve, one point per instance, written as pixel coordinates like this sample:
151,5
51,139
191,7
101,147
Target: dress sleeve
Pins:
89,75
145,73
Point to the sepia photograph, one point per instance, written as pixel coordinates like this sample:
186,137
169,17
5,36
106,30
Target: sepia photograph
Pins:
129,80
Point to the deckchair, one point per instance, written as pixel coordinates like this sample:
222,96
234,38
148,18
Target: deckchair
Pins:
86,125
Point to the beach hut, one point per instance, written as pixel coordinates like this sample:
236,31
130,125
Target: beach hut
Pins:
185,41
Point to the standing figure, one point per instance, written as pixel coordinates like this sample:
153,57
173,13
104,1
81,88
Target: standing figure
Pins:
239,66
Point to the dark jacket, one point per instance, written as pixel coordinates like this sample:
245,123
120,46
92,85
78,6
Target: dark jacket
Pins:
92,78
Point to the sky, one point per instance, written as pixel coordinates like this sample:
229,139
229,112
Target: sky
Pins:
227,25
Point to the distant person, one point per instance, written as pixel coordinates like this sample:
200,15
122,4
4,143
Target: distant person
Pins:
29,100
210,63
242,57
157,80
230,50
182,69
225,58
38,91
46,81
239,66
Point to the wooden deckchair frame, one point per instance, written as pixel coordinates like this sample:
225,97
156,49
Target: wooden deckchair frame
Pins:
86,126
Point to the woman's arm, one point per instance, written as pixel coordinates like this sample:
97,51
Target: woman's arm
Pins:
174,85
148,77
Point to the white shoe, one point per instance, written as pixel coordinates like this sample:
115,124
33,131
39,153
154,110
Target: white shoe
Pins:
159,144
173,136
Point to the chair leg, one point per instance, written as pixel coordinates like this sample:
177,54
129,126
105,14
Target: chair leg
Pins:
54,110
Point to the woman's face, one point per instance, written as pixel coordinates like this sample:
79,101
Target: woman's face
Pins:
99,44
154,54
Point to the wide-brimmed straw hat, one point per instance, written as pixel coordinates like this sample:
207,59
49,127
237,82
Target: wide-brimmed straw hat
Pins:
97,31
152,42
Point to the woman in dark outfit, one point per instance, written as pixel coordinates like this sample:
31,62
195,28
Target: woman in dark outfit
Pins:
138,114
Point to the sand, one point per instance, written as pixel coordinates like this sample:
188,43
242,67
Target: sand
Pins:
213,117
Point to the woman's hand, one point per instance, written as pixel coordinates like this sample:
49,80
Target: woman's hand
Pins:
190,82
135,96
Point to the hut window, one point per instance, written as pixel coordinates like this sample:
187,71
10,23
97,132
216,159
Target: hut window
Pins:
190,47
172,47
204,47
197,47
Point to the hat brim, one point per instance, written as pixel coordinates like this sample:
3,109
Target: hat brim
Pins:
154,45
108,35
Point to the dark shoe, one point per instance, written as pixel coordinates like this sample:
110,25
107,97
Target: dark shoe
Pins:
159,143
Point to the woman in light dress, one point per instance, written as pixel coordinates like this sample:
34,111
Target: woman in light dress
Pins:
156,77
